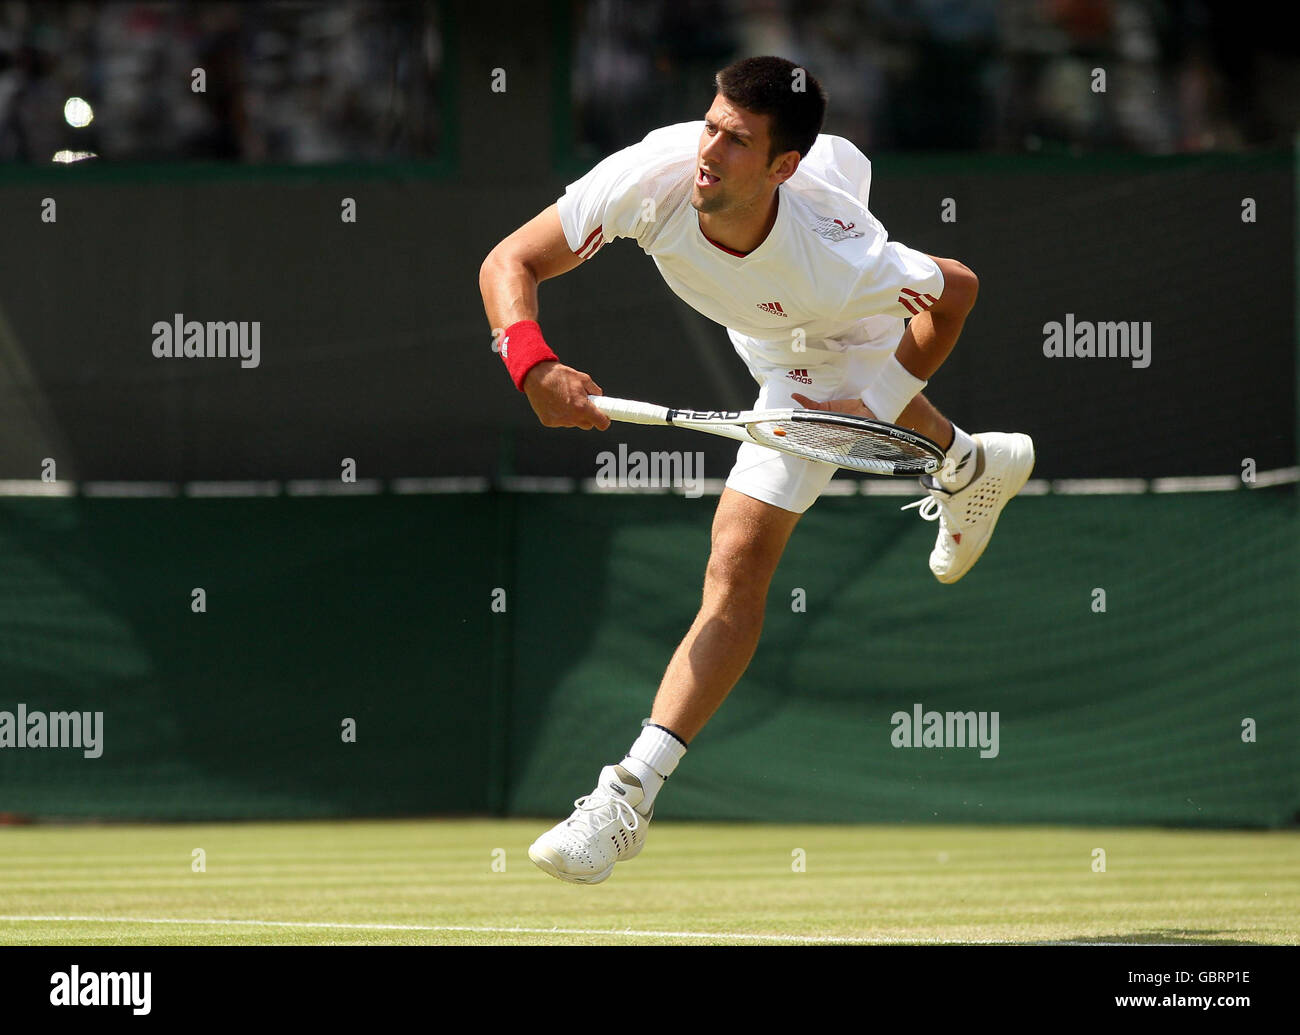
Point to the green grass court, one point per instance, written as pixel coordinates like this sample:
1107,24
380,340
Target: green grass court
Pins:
432,882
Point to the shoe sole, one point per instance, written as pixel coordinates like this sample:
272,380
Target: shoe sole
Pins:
549,860
949,579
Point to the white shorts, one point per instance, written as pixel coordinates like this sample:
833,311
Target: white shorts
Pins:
825,370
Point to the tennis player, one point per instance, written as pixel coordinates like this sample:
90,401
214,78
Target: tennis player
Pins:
760,222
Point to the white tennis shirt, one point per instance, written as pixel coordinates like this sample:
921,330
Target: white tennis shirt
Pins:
827,266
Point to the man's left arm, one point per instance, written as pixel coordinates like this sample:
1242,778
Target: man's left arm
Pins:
931,334
927,340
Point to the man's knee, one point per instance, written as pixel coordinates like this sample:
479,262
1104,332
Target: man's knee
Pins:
741,566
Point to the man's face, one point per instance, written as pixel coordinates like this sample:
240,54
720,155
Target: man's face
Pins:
733,150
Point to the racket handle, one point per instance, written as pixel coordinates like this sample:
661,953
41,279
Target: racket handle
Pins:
630,411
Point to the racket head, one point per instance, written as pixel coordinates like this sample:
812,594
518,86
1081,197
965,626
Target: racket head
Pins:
854,443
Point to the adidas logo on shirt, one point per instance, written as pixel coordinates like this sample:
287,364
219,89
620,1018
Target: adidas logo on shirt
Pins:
799,375
774,308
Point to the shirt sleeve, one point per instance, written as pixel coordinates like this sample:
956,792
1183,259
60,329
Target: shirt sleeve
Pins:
606,203
840,164
894,281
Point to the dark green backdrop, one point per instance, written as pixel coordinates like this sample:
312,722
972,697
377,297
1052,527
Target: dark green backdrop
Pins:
380,609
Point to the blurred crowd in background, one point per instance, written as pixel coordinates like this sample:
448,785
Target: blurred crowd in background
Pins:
291,82
360,80
958,75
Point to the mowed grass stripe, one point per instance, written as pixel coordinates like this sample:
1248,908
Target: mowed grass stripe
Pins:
420,882
460,929
190,933
755,862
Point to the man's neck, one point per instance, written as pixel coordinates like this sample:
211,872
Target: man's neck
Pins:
742,233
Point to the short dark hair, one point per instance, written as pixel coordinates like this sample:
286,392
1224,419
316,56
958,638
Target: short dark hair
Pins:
793,100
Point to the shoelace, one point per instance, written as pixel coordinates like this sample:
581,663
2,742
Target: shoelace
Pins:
595,804
930,508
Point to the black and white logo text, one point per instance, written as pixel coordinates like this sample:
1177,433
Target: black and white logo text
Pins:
123,988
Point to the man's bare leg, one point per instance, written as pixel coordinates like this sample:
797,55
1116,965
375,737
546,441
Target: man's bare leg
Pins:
609,824
749,537
921,415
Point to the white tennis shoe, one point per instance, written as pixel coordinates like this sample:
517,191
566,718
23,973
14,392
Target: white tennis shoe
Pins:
967,517
605,829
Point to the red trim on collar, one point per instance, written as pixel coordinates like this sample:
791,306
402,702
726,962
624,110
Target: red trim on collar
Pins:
739,255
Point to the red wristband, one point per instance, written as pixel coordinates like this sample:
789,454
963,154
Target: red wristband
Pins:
522,348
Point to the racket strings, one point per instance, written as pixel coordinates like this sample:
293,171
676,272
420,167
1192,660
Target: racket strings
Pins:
858,449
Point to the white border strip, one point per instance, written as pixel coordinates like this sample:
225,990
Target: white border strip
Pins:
23,488
223,490
1214,483
36,487
1281,476
130,490
594,488
435,486
888,487
1099,486
334,487
528,483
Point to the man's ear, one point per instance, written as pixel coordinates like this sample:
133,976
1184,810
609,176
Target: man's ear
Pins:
784,166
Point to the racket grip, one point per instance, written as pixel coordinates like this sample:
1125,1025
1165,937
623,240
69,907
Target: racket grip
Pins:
629,411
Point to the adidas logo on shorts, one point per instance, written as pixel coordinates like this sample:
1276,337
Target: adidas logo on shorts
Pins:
799,375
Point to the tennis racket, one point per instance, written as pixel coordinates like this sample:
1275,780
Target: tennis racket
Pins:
855,443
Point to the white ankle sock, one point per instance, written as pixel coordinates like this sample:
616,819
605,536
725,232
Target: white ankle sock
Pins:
959,467
651,759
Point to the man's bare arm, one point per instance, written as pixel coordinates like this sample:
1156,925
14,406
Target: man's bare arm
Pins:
509,276
929,336
508,281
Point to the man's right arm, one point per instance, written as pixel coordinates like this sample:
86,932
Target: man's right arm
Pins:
508,281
